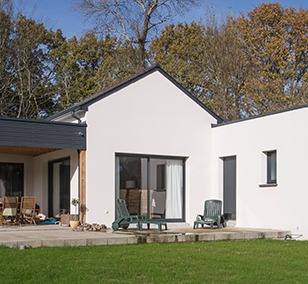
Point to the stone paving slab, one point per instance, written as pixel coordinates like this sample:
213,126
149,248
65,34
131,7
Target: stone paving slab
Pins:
55,235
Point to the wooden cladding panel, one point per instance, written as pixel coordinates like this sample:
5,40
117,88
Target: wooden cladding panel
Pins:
82,184
23,150
42,134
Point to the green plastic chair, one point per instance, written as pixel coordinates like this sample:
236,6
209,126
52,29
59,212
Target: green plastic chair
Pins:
212,215
124,218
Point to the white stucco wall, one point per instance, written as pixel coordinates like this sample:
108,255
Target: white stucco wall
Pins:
151,116
281,207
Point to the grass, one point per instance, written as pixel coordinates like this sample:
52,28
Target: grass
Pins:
258,261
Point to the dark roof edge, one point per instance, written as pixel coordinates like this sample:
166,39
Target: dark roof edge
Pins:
74,107
260,116
36,121
104,93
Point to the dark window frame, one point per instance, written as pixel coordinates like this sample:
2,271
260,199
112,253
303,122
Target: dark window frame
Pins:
149,157
22,178
51,182
271,163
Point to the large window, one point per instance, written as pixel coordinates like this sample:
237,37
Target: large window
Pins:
271,167
151,186
11,179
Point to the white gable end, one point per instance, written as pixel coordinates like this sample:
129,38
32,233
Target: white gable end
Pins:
151,116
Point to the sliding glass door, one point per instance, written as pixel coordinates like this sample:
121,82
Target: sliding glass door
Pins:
151,186
59,187
11,179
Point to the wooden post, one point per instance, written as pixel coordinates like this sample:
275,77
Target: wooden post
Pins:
82,185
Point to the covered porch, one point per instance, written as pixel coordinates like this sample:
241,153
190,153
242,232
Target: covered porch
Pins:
45,159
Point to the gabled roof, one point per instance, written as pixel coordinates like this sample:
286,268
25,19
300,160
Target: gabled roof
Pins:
120,85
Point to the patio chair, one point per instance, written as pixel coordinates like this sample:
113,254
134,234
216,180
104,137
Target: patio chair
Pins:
10,210
27,209
212,214
124,218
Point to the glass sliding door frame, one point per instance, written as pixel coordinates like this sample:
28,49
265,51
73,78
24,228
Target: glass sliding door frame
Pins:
152,163
12,179
62,184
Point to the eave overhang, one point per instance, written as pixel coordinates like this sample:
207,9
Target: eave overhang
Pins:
36,137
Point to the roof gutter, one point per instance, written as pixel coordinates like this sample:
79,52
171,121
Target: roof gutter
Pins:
73,113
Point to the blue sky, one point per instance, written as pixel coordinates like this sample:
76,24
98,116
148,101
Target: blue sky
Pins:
60,13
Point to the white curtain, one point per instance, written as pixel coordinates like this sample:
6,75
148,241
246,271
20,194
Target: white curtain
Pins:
174,188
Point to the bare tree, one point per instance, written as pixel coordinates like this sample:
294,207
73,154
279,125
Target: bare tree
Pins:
133,20
6,5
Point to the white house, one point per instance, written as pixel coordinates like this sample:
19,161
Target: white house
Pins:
151,142
269,158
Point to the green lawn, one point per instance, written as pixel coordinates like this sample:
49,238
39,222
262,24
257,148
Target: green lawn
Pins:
259,261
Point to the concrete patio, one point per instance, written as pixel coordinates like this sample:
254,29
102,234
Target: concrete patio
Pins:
56,235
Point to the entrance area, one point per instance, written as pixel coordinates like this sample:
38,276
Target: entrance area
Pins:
151,186
229,187
59,186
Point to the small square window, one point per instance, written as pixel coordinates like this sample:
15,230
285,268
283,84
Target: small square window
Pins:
271,167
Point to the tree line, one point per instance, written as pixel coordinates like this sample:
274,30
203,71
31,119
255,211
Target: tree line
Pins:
241,67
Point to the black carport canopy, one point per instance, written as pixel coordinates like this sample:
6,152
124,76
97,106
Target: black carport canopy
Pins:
36,137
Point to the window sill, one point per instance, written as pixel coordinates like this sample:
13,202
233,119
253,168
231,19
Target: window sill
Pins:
268,185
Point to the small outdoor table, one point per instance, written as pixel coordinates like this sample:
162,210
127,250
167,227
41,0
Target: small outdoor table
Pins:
148,222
